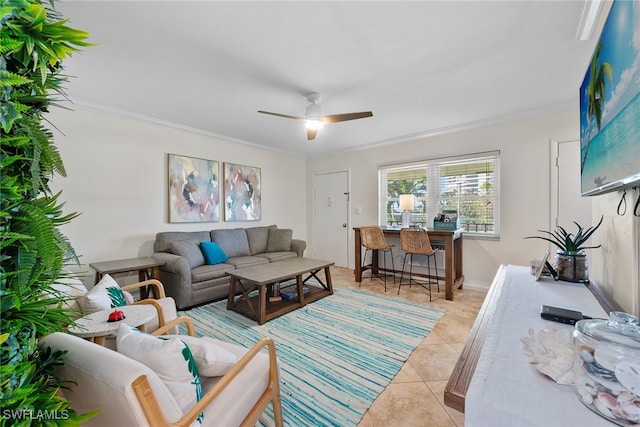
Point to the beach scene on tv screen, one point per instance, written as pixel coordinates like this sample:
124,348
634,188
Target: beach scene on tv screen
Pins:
610,101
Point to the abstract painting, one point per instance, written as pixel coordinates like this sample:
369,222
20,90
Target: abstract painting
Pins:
242,196
194,189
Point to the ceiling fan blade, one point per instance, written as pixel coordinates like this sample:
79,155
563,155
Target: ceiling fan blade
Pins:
311,134
286,116
335,118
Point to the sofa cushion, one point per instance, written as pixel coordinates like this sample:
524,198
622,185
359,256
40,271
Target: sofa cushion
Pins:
171,359
247,261
213,254
212,359
163,239
279,240
258,238
208,272
233,242
189,249
277,256
104,295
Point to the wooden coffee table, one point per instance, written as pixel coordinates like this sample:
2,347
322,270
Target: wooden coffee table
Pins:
257,307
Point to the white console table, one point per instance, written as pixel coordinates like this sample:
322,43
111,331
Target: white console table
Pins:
493,382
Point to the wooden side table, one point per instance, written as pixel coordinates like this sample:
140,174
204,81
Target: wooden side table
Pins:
96,326
147,268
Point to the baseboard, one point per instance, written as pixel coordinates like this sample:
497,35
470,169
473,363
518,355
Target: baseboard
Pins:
476,286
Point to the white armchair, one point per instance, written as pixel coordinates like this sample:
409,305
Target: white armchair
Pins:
131,394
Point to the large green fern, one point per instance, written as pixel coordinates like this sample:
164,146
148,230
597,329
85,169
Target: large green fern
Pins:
33,42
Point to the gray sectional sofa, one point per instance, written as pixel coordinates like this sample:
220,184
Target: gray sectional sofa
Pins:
191,281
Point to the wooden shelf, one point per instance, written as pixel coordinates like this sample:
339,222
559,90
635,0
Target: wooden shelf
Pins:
278,308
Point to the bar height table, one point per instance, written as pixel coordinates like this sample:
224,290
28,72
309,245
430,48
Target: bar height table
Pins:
452,239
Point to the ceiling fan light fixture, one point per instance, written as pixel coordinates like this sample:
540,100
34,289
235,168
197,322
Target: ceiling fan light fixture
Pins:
313,124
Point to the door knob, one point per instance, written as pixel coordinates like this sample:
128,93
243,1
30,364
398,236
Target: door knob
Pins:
344,225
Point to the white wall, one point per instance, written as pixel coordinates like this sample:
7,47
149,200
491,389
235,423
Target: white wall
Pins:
616,265
117,178
525,171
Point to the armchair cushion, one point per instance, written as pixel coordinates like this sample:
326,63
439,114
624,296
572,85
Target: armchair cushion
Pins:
213,254
171,359
279,240
189,249
213,360
104,295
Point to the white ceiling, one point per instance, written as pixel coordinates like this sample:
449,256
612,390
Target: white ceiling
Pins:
422,67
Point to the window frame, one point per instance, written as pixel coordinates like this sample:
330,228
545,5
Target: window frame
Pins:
432,192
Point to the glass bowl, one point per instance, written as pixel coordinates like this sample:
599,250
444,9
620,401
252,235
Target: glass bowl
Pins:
607,356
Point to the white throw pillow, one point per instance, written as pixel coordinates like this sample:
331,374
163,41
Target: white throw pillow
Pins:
170,358
104,295
212,359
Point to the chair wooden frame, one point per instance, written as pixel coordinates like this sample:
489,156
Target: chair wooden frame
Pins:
158,292
415,241
372,238
154,414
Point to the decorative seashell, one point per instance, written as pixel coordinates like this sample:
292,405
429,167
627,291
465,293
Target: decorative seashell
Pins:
608,400
590,388
586,356
632,409
628,374
585,395
625,397
606,358
602,408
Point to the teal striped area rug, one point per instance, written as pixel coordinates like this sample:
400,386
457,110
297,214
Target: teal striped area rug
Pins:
336,354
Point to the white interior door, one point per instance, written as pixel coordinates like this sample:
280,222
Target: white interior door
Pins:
331,217
566,203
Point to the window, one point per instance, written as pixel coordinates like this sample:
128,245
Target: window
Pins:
469,185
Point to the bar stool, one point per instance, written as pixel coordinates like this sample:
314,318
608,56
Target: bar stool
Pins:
372,238
415,241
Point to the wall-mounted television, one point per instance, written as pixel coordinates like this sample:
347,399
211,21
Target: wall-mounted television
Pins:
610,105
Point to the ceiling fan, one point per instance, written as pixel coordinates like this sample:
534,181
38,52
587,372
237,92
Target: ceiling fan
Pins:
313,118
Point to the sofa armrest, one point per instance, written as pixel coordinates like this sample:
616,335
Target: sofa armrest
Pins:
173,263
298,246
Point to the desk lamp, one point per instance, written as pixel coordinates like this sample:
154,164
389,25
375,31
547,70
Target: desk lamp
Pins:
406,205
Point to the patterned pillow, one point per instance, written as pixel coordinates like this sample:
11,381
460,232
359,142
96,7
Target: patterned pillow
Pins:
170,358
212,359
104,295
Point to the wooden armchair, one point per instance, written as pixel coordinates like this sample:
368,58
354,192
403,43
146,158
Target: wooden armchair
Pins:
129,393
164,305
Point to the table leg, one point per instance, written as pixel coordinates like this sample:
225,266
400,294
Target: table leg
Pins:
100,340
232,292
262,309
300,286
327,274
358,257
459,275
144,290
448,267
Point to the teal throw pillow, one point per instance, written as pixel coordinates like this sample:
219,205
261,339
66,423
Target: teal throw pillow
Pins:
213,254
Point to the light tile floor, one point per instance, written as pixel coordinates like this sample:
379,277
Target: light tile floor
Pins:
415,397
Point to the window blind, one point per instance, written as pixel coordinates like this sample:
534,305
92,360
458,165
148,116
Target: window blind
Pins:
468,184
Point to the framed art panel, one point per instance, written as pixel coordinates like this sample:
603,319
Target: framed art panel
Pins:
194,189
242,196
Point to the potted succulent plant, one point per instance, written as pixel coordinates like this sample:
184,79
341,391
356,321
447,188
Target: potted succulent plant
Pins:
571,260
